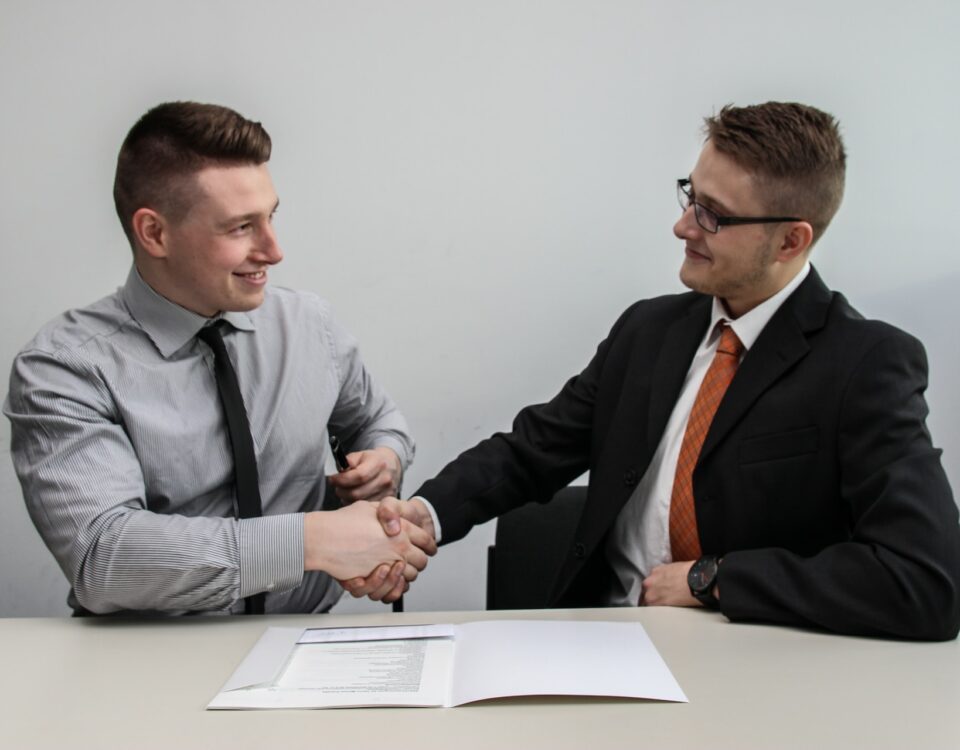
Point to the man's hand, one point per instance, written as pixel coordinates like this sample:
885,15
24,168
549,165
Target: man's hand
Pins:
373,475
391,511
386,584
350,542
667,586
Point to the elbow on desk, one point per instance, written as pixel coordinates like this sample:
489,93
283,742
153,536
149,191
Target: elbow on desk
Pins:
904,600
936,604
932,612
942,623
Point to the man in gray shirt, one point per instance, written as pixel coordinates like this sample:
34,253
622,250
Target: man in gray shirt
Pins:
119,436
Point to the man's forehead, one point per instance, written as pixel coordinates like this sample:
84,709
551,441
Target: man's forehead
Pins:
234,178
718,179
237,189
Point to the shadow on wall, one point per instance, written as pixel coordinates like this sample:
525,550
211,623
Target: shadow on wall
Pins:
926,310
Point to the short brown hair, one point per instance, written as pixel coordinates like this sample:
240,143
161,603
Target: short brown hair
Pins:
172,142
794,152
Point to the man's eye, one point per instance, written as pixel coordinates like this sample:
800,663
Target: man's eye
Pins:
241,228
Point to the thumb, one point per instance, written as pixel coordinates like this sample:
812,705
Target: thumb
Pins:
388,513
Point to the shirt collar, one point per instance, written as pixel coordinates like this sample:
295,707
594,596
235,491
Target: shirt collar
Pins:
169,325
750,325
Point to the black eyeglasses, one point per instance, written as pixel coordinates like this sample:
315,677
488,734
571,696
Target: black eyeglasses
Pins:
711,221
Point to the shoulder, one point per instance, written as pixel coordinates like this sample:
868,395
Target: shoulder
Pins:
848,330
865,361
70,354
81,331
828,319
666,305
657,312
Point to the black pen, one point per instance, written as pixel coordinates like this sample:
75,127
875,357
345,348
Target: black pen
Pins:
339,457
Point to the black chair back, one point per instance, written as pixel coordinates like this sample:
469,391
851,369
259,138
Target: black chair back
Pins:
531,544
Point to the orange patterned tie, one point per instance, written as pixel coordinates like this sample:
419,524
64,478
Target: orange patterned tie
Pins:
684,539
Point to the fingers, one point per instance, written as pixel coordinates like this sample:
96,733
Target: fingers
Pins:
384,537
390,582
390,514
386,583
349,491
667,586
410,573
360,587
398,591
421,538
415,556
373,474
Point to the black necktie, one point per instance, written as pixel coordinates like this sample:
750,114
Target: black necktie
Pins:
244,459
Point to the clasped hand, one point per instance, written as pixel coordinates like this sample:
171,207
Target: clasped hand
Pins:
372,475
353,542
388,583
667,586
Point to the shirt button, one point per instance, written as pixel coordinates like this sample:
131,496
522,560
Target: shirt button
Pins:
630,477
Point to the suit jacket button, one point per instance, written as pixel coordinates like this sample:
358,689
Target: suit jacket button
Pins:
579,550
630,477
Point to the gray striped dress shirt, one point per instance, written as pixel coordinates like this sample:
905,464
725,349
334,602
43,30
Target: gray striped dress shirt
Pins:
121,447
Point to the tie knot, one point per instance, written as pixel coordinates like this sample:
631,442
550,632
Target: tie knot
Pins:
211,335
729,342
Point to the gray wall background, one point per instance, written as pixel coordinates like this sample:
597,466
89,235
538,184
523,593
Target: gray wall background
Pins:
479,187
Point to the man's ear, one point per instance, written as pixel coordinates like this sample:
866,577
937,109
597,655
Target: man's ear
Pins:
150,231
796,241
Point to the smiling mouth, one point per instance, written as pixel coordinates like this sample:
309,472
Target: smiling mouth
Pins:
256,275
691,252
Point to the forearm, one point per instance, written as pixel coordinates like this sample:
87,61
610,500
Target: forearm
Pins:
549,445
895,573
542,453
144,561
847,588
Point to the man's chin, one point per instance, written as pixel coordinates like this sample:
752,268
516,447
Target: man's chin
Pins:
244,303
694,281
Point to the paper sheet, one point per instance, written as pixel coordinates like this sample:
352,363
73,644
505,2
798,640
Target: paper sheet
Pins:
447,665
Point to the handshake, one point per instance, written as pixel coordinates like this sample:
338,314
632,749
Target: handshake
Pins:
375,545
374,549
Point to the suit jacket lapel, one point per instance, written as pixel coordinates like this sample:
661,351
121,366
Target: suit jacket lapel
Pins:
642,413
780,346
673,361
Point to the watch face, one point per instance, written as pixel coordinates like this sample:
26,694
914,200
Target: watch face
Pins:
702,575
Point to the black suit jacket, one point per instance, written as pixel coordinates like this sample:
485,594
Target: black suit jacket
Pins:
817,482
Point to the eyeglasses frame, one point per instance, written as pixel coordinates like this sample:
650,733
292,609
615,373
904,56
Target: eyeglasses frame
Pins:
722,221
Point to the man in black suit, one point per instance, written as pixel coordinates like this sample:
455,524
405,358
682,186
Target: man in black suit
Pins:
814,496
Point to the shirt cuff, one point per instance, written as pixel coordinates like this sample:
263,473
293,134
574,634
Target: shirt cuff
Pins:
433,516
271,553
398,447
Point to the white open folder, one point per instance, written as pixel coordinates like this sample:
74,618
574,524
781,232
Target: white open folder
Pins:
447,665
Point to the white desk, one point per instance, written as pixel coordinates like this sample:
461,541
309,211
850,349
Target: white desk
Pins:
97,683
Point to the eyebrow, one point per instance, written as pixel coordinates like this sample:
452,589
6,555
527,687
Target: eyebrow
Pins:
243,218
712,202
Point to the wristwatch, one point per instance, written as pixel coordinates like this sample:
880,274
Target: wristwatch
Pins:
702,578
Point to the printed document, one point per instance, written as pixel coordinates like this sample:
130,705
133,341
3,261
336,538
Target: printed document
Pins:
447,665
